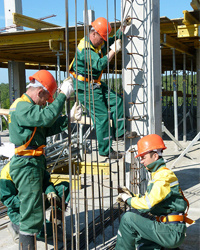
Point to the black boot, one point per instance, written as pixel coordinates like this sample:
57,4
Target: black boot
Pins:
113,155
128,135
26,242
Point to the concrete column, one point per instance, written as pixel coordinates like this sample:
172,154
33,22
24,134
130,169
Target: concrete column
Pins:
16,70
142,72
198,88
16,77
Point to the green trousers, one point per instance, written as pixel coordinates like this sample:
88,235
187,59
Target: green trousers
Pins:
101,97
143,233
27,176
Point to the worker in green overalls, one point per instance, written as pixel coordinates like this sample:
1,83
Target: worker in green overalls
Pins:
87,67
9,197
159,218
30,123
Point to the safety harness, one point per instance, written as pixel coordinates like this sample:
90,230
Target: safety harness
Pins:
172,218
23,150
84,44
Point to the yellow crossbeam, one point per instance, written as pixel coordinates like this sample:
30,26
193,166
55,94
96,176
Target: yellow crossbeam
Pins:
188,19
188,30
195,4
30,22
31,37
173,43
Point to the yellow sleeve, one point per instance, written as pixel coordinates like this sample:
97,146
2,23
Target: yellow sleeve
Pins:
161,188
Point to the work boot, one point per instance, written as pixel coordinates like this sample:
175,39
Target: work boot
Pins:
128,135
113,155
26,242
14,231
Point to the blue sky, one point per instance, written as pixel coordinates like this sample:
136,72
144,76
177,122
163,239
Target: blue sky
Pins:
43,8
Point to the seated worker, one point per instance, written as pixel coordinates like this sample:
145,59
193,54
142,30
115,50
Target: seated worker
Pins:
90,60
9,197
165,223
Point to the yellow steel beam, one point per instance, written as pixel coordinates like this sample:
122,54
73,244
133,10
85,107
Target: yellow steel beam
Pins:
168,28
173,43
195,4
30,22
188,30
188,19
94,167
31,37
56,45
58,178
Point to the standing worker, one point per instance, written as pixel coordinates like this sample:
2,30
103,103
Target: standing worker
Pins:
159,219
29,126
92,59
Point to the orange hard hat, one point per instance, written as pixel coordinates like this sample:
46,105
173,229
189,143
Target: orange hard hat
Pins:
100,25
149,143
47,80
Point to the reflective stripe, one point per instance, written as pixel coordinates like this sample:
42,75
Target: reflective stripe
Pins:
12,109
148,202
121,119
106,138
138,247
174,183
118,232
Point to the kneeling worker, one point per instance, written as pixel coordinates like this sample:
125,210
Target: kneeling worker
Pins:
9,197
160,218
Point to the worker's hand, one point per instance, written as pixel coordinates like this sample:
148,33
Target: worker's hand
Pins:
76,112
127,21
125,190
123,197
53,195
116,46
67,87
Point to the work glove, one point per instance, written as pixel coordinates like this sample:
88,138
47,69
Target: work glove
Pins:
116,46
67,87
127,21
76,112
123,197
125,190
53,195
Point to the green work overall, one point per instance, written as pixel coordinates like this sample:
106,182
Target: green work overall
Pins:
28,171
163,197
100,94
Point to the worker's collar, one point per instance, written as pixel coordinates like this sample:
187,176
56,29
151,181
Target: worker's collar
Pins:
154,166
96,49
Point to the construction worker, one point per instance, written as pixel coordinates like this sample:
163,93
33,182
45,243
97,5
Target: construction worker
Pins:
158,219
9,197
88,65
29,125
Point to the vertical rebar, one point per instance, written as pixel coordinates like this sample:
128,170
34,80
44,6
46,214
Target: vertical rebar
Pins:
184,99
175,95
64,221
69,123
192,93
45,226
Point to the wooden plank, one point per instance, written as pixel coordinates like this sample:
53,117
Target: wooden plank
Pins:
22,20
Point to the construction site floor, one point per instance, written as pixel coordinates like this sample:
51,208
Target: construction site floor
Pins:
187,170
